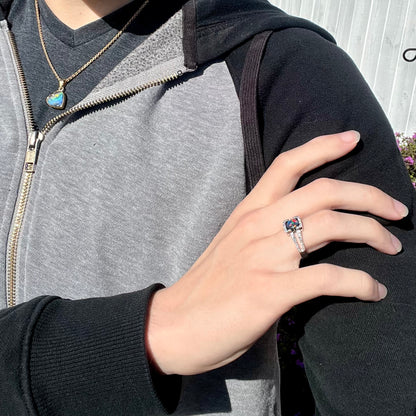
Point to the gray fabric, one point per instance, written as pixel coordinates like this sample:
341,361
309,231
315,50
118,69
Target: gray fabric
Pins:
69,50
120,203
154,50
13,139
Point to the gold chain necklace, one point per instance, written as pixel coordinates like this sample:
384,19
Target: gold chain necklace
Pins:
58,98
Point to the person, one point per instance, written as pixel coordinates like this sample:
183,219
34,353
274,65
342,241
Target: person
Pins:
143,234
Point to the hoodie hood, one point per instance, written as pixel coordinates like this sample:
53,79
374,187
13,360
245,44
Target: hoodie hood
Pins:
214,27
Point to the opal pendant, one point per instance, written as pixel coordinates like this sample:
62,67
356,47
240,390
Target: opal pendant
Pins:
57,100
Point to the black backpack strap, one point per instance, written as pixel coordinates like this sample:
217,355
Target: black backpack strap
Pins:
253,147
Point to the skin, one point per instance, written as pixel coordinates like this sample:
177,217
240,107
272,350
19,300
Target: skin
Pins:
249,275
78,13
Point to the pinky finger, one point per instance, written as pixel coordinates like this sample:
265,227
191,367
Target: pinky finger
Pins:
329,280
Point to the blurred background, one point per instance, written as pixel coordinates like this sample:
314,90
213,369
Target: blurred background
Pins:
375,33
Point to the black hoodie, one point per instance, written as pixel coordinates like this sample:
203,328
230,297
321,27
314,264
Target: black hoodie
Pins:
360,357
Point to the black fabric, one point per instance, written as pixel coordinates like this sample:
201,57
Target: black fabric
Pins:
253,152
189,39
360,357
225,24
89,354
84,357
4,8
16,325
70,49
84,34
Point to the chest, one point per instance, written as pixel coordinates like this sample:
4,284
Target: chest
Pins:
128,193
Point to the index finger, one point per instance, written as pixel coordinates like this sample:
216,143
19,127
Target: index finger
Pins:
286,170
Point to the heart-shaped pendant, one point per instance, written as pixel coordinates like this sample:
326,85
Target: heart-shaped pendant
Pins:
56,100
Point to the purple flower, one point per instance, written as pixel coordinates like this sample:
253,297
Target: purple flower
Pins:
292,352
414,185
398,144
279,336
414,136
409,160
300,364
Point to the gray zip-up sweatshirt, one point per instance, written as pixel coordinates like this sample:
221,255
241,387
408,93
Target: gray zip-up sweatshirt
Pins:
127,189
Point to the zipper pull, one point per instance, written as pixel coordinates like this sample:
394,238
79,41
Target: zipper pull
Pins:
34,141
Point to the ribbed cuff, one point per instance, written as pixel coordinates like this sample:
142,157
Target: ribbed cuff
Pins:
88,358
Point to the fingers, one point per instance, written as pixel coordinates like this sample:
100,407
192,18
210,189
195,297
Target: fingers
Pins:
327,226
324,194
327,280
261,213
333,194
278,253
286,170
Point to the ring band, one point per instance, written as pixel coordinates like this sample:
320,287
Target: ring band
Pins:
293,227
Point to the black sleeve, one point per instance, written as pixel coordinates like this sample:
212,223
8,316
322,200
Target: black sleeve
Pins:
360,357
80,357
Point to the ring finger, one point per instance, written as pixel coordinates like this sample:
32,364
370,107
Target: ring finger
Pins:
320,229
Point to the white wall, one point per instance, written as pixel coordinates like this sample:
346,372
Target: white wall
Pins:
375,33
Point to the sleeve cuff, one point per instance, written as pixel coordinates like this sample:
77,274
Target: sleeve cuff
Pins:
88,357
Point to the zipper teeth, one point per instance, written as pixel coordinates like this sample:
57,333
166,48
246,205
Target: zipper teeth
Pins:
12,249
26,100
28,176
48,126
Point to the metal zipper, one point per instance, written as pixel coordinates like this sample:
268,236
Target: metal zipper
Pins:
35,139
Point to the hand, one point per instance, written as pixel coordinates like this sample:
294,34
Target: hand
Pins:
249,275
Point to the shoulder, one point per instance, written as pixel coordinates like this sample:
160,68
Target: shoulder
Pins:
306,63
308,86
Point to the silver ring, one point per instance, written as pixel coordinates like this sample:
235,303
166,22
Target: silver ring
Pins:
293,227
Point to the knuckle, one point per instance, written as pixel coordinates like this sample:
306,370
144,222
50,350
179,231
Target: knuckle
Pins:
366,284
327,278
287,162
324,186
326,218
283,158
249,222
376,231
375,226
372,192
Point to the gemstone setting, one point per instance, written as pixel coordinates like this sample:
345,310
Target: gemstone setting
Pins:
292,225
56,100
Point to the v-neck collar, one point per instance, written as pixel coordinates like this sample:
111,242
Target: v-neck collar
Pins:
75,37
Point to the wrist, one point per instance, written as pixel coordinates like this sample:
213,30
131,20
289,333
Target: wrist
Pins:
157,344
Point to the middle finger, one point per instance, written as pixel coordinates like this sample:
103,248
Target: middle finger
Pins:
327,194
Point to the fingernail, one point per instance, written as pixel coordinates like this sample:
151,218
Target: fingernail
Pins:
401,209
396,243
351,136
382,290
